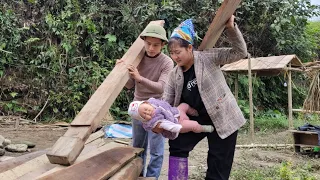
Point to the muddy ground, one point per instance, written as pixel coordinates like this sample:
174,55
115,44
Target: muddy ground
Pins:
245,159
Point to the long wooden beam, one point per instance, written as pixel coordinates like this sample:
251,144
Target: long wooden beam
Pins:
225,11
69,146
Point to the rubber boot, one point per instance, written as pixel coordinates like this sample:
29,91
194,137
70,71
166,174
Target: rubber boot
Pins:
178,168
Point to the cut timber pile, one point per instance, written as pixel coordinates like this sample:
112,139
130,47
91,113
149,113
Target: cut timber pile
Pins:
98,160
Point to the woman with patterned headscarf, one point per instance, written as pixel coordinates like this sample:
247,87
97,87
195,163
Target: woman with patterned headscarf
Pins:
198,81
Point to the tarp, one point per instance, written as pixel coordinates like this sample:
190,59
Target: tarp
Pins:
118,131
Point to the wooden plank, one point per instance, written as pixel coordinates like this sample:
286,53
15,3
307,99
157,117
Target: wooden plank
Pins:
95,136
131,171
101,166
5,158
44,168
65,151
80,132
303,132
98,105
24,168
81,158
36,172
14,162
306,138
223,14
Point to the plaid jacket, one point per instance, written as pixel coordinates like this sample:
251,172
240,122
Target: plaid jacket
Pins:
214,91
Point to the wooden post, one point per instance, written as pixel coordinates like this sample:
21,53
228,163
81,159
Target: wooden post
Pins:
68,147
236,87
223,14
250,99
290,121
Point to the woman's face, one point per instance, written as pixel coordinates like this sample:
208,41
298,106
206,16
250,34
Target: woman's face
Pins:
182,56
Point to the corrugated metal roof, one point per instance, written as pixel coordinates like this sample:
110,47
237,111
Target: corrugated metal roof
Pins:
267,65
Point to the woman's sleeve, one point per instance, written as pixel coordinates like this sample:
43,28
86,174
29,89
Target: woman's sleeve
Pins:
169,91
238,51
158,86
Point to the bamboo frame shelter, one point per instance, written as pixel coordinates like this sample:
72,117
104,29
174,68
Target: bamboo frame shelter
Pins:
266,66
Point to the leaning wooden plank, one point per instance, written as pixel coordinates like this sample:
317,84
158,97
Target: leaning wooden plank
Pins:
85,156
14,162
101,166
131,171
66,150
225,11
79,132
98,105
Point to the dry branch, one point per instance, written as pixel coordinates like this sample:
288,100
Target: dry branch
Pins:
312,102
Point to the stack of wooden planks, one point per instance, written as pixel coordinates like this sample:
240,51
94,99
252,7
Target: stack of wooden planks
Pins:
98,160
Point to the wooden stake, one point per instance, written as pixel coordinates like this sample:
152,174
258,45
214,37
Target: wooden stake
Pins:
290,99
250,99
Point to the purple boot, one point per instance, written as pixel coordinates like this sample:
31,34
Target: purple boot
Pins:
178,168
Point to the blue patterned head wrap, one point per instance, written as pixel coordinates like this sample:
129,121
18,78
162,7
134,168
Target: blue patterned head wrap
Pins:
185,31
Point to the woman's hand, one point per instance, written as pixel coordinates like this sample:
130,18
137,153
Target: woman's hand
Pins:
230,22
134,73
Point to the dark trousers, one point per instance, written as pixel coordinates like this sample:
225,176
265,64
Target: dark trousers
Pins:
220,154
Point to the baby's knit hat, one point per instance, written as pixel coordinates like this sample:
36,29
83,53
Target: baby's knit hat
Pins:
133,110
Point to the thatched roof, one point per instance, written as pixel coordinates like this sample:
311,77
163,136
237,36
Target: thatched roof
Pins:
268,66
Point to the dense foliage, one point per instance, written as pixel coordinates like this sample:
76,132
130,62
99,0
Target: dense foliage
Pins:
57,52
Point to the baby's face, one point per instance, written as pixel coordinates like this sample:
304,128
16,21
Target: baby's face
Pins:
146,111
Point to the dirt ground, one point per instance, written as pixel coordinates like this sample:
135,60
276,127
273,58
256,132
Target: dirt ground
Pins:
45,136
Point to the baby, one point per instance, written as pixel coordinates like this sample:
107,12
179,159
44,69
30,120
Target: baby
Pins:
157,114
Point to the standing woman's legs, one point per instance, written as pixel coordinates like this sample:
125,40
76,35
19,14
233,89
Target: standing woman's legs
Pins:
140,140
156,144
179,149
220,156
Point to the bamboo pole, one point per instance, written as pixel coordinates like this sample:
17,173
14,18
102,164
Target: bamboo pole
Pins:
290,121
275,146
250,98
305,111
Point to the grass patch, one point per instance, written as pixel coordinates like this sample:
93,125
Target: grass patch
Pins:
285,171
275,121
